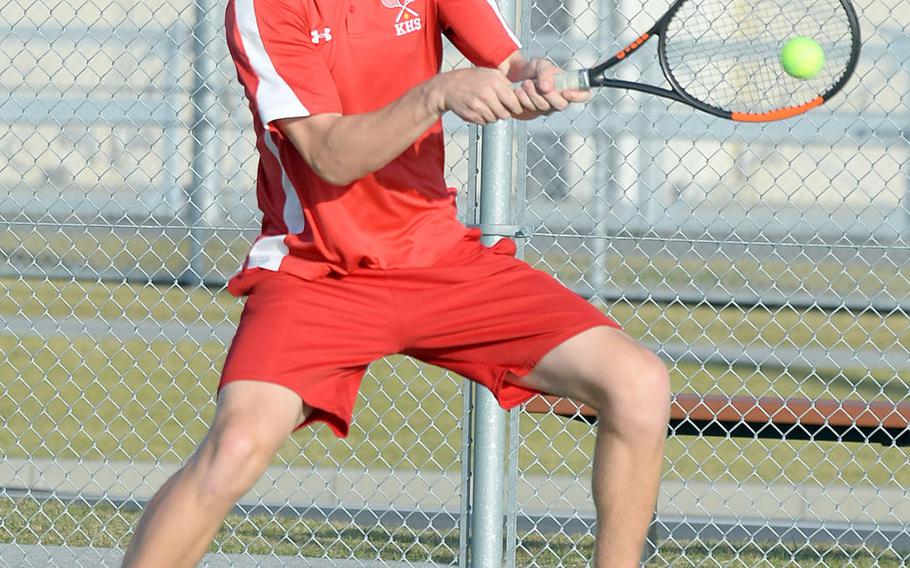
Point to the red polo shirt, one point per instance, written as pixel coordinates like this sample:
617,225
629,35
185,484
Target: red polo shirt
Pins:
297,58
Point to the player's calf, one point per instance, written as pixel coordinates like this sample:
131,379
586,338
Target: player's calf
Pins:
253,420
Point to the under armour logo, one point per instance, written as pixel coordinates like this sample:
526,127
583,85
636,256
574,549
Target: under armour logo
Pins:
325,35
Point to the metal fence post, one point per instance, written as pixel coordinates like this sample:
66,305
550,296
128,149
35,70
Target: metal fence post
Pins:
171,193
472,217
608,160
486,547
489,418
202,131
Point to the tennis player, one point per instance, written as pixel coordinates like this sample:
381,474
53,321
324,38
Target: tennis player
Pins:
361,256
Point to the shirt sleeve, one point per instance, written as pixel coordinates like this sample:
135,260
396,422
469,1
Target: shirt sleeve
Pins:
276,59
478,30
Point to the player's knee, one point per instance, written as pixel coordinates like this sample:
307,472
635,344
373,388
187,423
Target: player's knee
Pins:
230,462
635,400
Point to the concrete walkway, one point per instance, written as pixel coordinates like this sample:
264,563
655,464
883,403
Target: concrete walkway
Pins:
15,556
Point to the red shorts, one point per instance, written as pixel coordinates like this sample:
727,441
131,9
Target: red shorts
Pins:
479,312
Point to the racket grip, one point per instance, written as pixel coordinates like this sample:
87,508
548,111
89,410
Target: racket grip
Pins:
573,80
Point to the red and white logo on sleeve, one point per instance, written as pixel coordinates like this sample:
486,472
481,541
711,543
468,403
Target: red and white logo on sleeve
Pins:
407,20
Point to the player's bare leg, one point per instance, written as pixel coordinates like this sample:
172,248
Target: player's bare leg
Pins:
251,423
630,389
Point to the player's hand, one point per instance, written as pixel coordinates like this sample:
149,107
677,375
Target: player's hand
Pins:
538,94
478,95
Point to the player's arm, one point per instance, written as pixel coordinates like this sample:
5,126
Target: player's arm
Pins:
537,91
292,90
344,148
478,30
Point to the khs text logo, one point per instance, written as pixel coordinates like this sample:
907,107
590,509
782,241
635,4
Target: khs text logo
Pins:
408,20
325,35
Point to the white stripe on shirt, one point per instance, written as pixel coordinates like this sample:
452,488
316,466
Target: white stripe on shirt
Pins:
502,21
293,210
267,252
274,97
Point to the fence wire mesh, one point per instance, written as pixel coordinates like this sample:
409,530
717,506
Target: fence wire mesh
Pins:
758,261
127,198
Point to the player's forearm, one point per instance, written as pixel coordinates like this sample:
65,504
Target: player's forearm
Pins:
343,149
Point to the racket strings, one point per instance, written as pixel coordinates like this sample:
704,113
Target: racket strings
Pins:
726,52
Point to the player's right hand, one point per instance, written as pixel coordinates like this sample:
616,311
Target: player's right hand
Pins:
478,95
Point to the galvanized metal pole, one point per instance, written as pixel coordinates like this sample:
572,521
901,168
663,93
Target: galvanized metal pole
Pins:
606,186
489,419
205,38
472,217
174,166
520,136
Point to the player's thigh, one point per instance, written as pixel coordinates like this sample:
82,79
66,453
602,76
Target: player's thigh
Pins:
252,421
598,366
260,413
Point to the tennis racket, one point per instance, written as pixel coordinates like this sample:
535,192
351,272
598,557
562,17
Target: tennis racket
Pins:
723,56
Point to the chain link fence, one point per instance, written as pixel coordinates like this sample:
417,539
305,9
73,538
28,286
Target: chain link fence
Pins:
758,260
755,259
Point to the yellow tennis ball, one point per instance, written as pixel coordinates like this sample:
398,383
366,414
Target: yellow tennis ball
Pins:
802,57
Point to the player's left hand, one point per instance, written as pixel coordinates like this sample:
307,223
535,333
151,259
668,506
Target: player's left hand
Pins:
537,92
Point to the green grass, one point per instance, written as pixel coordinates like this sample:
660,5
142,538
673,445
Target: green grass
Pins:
158,251
141,250
50,523
100,300
131,400
743,273
125,399
137,401
677,323
155,251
